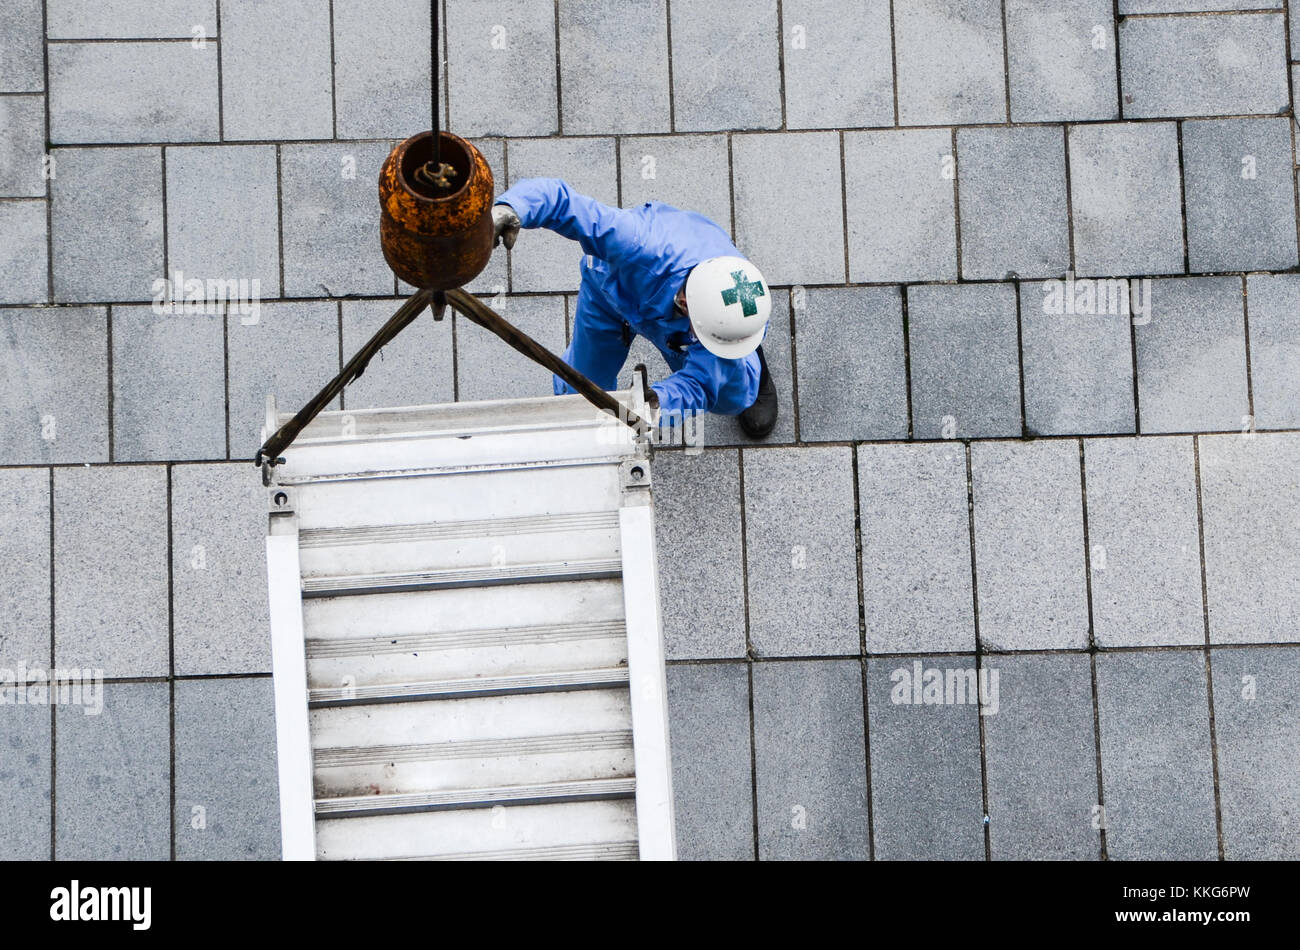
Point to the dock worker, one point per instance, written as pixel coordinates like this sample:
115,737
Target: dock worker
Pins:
669,275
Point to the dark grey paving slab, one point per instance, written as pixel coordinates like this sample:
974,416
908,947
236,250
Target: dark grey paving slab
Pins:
24,569
1203,65
810,761
725,64
415,369
22,69
1250,492
218,556
133,92
713,788
685,171
770,205
950,62
22,146
1256,724
1126,199
1273,305
964,360
381,73
613,66
899,198
701,554
716,429
487,368
24,256
838,59
916,580
130,19
1077,367
1042,759
926,797
852,375
107,223
113,776
1157,774
1062,60
227,787
110,611
266,94
799,545
1191,356
1031,584
53,385
1012,202
1144,543
176,414
25,774
501,67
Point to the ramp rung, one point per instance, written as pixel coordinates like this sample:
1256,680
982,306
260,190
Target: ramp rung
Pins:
600,851
346,756
455,530
475,686
465,639
591,790
597,569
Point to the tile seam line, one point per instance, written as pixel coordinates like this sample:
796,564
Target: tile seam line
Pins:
1092,640
986,829
862,646
1206,646
749,648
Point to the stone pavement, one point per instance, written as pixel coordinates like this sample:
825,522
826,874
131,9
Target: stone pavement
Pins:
1017,575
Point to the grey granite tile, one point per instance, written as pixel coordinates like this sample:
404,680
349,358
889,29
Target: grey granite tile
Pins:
964,360
950,62
708,708
1273,305
415,369
1155,756
916,579
227,786
25,567
501,67
22,68
1042,759
717,429
24,255
686,171
926,798
1031,585
381,73
1143,540
488,368
810,761
899,198
613,66
130,19
1062,60
25,774
22,146
839,69
802,567
725,64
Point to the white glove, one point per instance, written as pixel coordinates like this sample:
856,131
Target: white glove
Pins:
505,225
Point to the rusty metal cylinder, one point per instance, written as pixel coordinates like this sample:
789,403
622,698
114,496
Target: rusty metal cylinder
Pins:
431,240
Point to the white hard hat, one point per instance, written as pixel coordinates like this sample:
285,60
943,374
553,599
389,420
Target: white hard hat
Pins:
728,303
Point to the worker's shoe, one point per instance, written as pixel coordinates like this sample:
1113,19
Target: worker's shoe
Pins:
760,418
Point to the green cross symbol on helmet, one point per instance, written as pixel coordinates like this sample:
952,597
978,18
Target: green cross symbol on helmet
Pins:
745,291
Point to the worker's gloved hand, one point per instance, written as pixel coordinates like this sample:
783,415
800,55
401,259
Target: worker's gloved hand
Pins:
505,225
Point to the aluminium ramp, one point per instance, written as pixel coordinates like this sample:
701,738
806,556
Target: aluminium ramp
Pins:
467,651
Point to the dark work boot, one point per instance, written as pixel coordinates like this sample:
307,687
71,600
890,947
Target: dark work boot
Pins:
759,419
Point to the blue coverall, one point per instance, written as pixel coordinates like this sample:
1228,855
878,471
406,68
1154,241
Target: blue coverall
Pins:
637,260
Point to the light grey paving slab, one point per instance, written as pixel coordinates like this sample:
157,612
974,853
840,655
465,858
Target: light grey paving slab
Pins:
107,223
25,774
22,67
1143,542
1240,193
542,260
899,198
1042,759
716,429
613,66
1191,356
133,92
686,171
1256,724
291,352
179,413
1126,199
726,65
708,709
488,368
1062,60
926,798
965,365
227,788
415,369
22,146
110,610
219,594
810,760
331,220
53,385
852,377
1012,202
130,19
701,555
1203,65
223,216
916,579
772,205
1077,367
381,70
24,255
1273,304
1031,584
24,569
838,60
802,567
1156,770
950,62
501,67
1250,493
113,776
